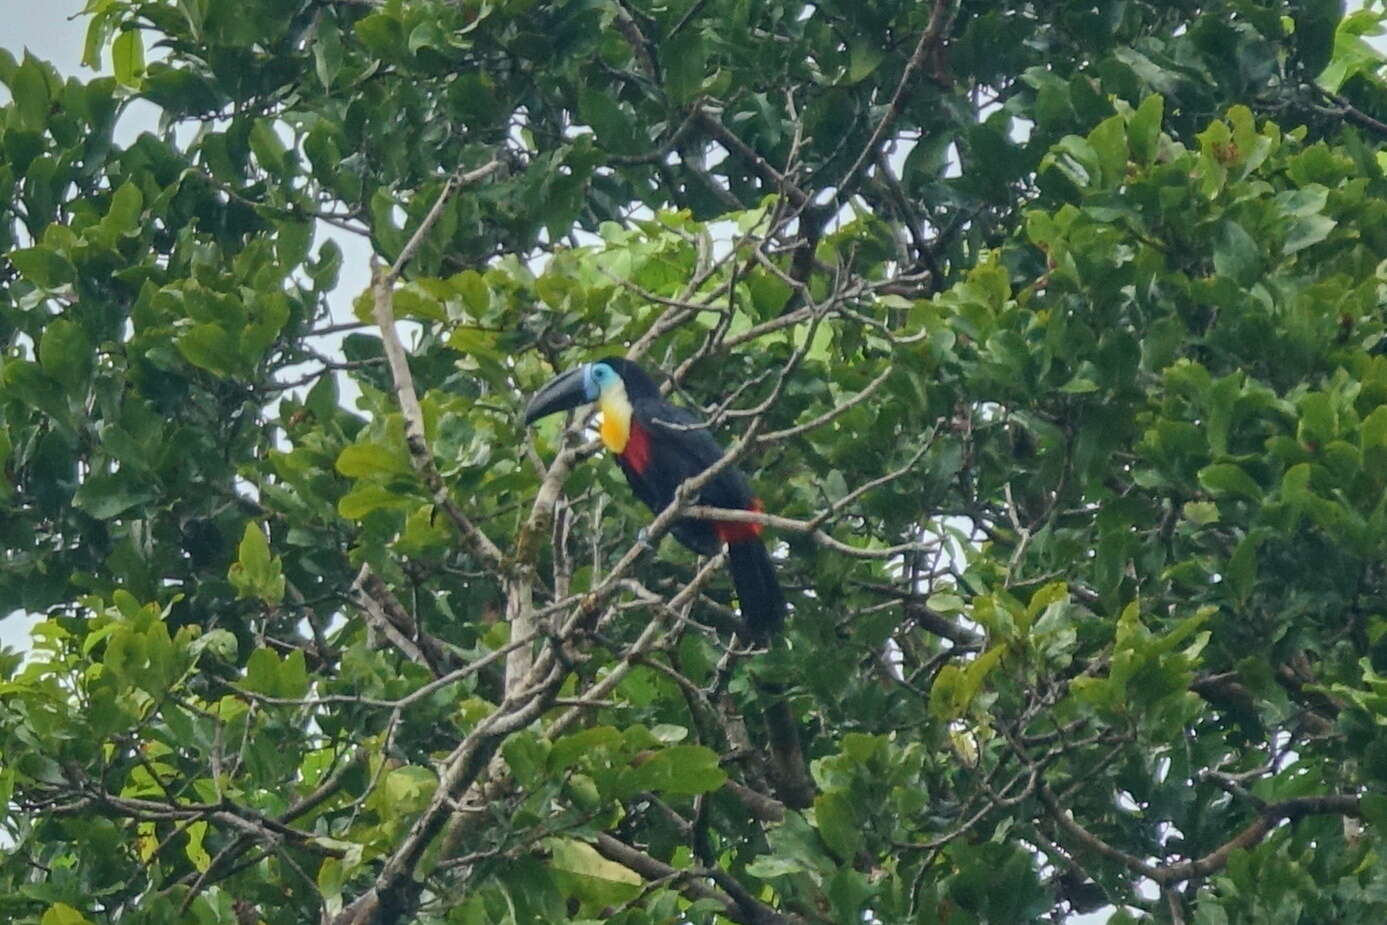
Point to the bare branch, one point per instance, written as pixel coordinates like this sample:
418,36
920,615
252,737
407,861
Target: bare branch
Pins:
743,908
928,40
743,151
386,614
382,284
1214,861
633,653
837,411
458,179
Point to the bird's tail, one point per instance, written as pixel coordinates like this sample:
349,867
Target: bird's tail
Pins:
758,591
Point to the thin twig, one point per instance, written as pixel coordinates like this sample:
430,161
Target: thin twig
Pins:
928,39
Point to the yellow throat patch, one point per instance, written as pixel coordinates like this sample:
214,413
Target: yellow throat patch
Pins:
615,428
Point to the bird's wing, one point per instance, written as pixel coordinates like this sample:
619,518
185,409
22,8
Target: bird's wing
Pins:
682,447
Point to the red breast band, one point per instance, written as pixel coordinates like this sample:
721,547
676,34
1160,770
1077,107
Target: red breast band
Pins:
637,450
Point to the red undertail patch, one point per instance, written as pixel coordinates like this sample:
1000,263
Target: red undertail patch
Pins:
637,450
735,531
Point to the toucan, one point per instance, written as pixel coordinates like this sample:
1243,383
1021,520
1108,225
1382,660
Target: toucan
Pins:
658,446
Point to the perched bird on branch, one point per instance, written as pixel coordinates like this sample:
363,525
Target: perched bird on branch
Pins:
659,446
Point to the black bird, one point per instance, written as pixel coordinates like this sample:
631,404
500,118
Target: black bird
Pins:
658,446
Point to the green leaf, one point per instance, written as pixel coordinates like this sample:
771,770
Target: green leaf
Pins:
6,448
412,303
256,573
29,89
1144,131
864,56
1295,484
768,866
769,293
210,347
293,241
327,54
1319,420
1373,431
255,550
367,497
1242,567
474,342
1374,806
331,879
955,687
425,35
123,216
685,60
63,914
567,750
406,790
1210,913
262,672
1109,141
837,823
127,58
43,266
325,270
1079,386
1201,513
1229,479
382,34
196,853
862,748
293,675
592,876
1306,231
1236,254
526,754
1352,55
219,642
366,459
99,27
681,769
476,295
268,149
65,353
613,127
945,602
106,496
272,312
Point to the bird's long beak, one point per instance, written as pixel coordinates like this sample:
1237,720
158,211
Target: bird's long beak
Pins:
563,392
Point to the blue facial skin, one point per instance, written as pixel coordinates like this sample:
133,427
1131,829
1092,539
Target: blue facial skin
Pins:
596,378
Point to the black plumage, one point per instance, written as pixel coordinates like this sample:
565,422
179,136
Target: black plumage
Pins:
665,446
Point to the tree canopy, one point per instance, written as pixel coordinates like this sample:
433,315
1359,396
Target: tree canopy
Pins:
1051,335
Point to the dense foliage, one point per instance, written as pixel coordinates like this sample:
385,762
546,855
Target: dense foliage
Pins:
1052,336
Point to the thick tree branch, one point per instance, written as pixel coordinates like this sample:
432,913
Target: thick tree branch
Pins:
396,890
382,285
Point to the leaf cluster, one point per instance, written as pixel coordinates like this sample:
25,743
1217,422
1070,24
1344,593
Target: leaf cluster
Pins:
1051,336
